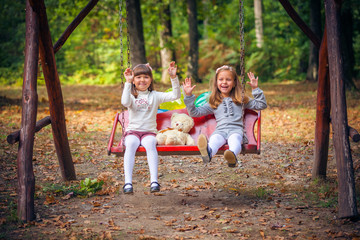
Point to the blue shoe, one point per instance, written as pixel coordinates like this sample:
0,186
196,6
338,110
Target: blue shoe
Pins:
128,190
204,149
230,158
154,187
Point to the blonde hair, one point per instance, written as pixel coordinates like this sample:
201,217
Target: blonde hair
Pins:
236,93
142,69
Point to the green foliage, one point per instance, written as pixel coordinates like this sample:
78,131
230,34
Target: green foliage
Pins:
60,190
84,188
12,216
91,55
261,193
90,186
321,193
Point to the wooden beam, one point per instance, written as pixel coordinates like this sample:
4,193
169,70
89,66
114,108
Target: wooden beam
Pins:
15,136
25,172
74,24
322,125
56,103
347,196
354,134
302,25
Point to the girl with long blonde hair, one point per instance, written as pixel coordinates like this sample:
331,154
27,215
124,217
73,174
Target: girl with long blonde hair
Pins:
226,102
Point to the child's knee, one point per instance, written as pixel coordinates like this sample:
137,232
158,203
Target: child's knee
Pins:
132,142
149,141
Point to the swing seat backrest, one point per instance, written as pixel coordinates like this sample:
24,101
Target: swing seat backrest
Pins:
203,125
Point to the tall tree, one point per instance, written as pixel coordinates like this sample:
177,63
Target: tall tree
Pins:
135,31
167,53
193,64
315,25
259,31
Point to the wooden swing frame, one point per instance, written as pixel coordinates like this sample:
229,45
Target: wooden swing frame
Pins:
37,28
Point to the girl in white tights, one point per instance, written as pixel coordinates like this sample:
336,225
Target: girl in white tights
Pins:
142,102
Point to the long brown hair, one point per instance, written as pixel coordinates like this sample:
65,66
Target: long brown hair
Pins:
142,69
236,93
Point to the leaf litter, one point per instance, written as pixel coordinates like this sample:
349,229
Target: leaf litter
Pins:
270,197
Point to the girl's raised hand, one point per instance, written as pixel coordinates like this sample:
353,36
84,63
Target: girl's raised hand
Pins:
129,75
253,81
172,70
187,87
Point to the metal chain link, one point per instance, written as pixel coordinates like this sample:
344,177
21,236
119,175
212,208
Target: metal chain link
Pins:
121,43
122,120
242,46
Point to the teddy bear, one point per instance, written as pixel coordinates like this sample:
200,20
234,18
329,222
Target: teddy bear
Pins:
178,133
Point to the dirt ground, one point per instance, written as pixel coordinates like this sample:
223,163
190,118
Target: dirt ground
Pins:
271,196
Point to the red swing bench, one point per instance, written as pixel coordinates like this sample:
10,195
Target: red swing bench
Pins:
205,125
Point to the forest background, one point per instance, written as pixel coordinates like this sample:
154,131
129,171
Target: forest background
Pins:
92,53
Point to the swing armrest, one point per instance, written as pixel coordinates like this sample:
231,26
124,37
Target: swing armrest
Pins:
258,132
112,135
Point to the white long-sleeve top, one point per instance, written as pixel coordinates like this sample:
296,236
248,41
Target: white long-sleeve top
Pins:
143,109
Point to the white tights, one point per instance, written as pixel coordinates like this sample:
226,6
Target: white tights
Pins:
216,141
131,144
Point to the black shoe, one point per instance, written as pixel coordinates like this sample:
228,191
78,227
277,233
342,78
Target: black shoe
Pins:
128,190
230,158
155,188
204,148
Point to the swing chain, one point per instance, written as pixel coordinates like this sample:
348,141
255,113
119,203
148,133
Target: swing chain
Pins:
242,57
242,46
128,35
121,43
122,120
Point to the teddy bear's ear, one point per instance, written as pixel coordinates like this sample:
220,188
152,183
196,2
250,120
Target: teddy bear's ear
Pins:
173,115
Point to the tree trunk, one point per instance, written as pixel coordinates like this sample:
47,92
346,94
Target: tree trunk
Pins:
25,172
347,196
56,103
315,25
167,53
323,105
259,31
135,31
193,64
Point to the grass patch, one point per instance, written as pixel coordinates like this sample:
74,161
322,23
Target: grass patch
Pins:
319,193
84,188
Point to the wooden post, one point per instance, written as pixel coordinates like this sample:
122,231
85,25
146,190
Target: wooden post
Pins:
354,134
15,136
74,24
347,196
25,173
323,105
301,24
56,103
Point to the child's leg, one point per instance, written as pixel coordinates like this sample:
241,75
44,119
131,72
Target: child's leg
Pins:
149,143
216,141
234,143
131,144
